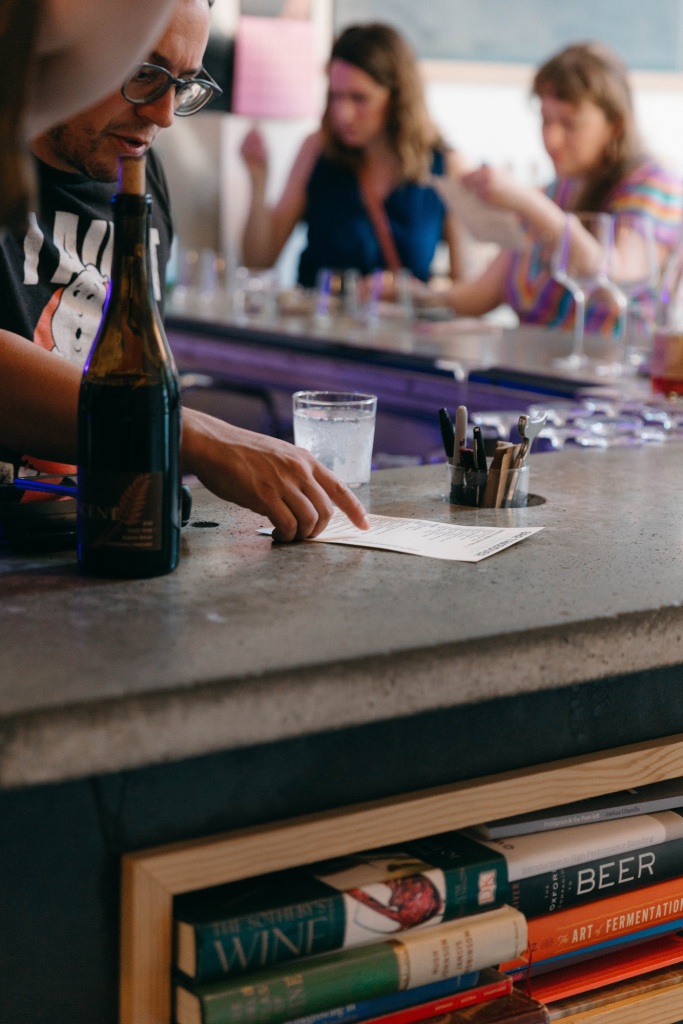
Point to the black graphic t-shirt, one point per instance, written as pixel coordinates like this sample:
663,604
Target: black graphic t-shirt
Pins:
53,280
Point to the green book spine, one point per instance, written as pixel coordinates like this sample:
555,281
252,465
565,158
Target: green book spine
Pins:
283,994
235,929
322,982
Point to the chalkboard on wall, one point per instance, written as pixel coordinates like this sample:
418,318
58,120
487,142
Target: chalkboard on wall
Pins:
646,35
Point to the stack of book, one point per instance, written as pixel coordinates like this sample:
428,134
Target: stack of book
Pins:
601,884
562,903
402,934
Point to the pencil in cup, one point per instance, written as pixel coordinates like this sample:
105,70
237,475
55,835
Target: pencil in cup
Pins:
508,482
505,485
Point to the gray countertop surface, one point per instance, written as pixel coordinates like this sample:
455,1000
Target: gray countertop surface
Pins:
460,345
248,642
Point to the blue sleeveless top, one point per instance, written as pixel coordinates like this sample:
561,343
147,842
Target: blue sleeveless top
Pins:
341,235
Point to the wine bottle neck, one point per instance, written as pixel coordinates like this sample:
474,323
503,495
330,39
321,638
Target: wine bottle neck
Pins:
131,256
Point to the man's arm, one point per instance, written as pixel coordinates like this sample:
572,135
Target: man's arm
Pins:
39,414
267,475
38,400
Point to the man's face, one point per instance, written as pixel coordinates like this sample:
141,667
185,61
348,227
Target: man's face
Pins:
92,142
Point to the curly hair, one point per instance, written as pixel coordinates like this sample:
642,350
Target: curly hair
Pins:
591,71
381,52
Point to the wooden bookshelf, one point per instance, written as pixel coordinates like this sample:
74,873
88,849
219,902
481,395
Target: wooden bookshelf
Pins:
663,1007
151,878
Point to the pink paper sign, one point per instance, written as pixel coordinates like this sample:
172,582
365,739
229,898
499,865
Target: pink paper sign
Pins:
274,68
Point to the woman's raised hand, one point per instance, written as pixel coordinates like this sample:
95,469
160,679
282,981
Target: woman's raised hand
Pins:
495,186
254,153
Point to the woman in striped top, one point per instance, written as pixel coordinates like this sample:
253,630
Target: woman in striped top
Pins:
590,135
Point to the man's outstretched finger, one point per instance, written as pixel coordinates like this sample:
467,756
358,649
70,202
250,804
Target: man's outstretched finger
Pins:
344,498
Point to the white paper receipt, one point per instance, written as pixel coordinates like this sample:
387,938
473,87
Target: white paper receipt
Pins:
424,537
484,222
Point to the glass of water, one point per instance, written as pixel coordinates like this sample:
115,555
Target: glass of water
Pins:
338,427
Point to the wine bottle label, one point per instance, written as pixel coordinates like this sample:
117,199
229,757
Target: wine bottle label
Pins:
121,510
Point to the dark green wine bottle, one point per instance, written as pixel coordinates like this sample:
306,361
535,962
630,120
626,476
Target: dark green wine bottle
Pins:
129,418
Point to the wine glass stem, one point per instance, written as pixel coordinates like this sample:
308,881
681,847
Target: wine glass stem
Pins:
579,322
622,319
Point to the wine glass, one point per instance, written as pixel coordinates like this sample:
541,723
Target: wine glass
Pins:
634,270
581,266
561,270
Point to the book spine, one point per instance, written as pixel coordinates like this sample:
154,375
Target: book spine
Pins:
508,830
380,1011
383,1005
656,796
463,878
554,891
320,983
243,943
541,852
450,1004
602,921
537,968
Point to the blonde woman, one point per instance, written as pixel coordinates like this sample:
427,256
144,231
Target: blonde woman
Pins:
590,134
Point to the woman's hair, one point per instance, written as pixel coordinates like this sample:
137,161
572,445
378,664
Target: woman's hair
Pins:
381,52
591,71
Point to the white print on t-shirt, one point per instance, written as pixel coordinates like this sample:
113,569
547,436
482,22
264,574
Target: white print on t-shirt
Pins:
78,314
72,315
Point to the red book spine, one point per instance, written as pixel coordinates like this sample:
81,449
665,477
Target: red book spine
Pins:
590,924
447,1004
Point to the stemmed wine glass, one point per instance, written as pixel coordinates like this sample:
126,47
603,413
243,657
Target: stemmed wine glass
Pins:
582,269
634,271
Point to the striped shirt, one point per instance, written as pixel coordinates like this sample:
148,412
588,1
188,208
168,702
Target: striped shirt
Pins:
650,189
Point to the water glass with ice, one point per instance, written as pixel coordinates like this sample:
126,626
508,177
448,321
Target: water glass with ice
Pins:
338,427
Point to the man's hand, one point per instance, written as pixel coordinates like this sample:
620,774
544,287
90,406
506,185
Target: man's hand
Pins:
271,477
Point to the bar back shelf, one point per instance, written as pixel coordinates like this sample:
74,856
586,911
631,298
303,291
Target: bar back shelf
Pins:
152,877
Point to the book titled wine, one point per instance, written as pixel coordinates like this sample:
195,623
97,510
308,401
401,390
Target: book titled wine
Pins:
598,923
257,923
657,796
418,1004
321,982
336,904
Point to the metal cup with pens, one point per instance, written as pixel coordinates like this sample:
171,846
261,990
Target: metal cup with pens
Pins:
504,483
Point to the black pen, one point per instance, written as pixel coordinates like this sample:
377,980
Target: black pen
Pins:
480,449
447,433
467,459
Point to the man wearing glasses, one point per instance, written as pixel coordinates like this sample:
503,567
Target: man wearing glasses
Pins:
53,279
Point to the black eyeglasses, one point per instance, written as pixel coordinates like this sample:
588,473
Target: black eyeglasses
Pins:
149,81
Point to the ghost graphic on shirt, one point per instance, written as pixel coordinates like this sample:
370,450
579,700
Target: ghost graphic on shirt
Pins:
78,315
71,318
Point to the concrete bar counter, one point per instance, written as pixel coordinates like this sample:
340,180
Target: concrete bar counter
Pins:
259,682
413,367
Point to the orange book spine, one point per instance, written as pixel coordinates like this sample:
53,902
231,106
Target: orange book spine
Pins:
592,924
